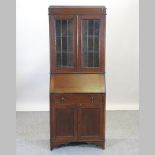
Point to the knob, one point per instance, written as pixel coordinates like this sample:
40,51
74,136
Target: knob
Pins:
62,99
92,99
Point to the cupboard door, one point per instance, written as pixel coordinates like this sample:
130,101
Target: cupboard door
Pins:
91,122
64,123
63,43
91,43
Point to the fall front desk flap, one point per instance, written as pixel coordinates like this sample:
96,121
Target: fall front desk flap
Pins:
77,83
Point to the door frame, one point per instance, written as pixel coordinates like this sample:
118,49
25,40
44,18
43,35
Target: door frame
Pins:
52,29
101,67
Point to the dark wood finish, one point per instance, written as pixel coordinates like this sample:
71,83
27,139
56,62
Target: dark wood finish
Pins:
90,122
77,14
64,122
77,93
53,67
76,10
77,118
76,99
98,143
101,67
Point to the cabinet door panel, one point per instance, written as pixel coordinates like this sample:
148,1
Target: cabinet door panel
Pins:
91,43
64,122
91,122
63,43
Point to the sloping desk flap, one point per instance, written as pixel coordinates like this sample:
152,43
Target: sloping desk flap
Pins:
77,83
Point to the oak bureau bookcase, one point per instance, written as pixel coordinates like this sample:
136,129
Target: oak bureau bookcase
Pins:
77,75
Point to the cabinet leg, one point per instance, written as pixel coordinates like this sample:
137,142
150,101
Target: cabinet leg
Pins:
99,144
102,145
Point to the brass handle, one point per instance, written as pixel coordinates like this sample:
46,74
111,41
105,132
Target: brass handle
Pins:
92,99
62,99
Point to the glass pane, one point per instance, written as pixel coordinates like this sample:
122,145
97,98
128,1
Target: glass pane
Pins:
84,44
64,59
90,27
90,43
64,27
64,43
85,59
58,27
70,44
70,27
84,27
59,59
90,59
58,45
70,59
96,44
96,27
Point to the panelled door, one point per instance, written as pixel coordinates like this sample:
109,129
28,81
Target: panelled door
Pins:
90,122
72,123
63,34
64,122
91,43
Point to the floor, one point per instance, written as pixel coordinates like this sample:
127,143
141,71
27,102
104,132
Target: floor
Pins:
32,135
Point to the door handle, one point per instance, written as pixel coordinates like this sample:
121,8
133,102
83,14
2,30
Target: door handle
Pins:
92,99
62,99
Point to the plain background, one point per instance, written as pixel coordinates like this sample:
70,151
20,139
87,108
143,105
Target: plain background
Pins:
32,53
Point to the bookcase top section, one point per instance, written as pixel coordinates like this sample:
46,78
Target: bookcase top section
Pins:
77,10
77,83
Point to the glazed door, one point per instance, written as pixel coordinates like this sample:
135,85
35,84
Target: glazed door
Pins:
63,34
91,43
64,123
91,122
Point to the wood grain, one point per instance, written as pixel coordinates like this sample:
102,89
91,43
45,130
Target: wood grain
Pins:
78,10
77,83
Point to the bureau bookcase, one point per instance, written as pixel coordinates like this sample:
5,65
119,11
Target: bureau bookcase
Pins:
77,75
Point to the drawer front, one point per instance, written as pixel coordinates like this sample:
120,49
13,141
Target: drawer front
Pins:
78,98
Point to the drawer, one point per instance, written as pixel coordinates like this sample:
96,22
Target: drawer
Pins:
78,98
